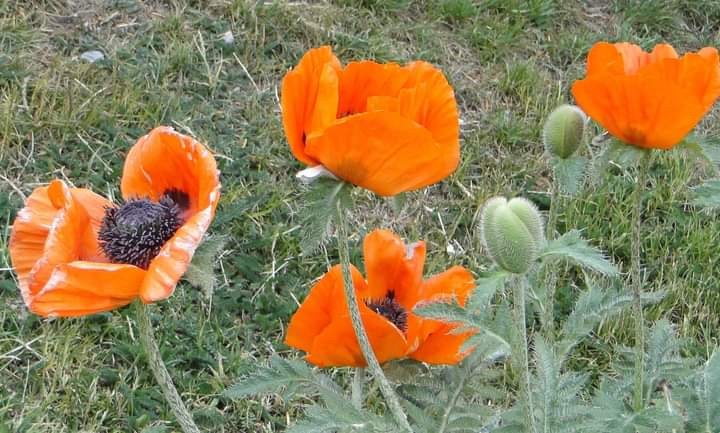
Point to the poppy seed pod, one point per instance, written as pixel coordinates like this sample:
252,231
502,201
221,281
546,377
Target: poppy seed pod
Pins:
512,232
563,130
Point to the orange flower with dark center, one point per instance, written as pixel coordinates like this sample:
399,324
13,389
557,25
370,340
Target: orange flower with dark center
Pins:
649,100
384,127
394,287
75,253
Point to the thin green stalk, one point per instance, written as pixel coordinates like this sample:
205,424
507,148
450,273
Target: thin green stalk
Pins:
147,339
637,280
385,388
520,351
550,270
357,387
452,402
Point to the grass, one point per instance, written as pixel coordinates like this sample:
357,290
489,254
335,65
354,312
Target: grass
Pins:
510,62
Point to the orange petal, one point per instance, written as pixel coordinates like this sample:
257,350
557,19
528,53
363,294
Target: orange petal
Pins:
174,258
325,301
309,98
442,347
359,81
82,288
455,283
383,152
337,346
390,265
29,232
165,160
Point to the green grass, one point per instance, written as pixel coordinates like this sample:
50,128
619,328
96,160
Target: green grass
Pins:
510,62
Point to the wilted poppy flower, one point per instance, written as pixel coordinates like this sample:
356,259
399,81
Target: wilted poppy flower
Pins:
384,127
650,100
75,253
322,326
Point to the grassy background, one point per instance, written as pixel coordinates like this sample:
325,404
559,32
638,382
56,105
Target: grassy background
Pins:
510,61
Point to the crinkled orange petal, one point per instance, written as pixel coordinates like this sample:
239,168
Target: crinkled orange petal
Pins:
390,265
325,301
165,160
81,288
337,346
162,161
442,347
57,225
383,152
359,81
309,98
456,284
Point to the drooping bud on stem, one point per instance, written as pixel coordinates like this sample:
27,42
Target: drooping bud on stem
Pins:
512,232
563,131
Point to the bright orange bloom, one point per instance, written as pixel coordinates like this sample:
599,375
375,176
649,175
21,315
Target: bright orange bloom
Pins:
650,100
322,326
384,127
76,254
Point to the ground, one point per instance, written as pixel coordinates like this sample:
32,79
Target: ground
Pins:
510,62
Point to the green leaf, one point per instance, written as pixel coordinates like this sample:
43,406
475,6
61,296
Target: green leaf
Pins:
569,173
346,419
321,199
707,195
616,153
284,373
485,289
201,271
571,246
705,147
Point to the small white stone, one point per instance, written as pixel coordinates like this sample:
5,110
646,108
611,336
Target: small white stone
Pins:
228,37
92,56
311,174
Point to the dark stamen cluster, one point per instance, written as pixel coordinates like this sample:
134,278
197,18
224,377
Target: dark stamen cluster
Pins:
390,309
134,232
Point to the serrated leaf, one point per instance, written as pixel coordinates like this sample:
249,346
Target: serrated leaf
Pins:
707,195
569,173
485,289
321,201
201,271
283,373
571,246
707,148
616,153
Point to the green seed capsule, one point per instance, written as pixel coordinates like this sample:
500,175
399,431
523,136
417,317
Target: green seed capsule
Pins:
563,131
512,232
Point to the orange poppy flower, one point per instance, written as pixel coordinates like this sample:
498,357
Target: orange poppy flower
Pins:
322,326
384,127
649,100
75,253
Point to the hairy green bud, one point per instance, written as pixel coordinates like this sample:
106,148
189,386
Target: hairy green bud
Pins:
563,131
512,232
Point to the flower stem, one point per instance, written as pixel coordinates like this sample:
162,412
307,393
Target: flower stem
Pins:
147,339
549,268
637,280
357,387
363,341
520,351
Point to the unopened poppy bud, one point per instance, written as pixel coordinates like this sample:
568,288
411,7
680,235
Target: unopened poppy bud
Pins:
563,130
512,232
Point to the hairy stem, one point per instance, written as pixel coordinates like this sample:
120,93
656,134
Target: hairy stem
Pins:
147,339
451,404
549,269
357,387
637,280
520,351
385,388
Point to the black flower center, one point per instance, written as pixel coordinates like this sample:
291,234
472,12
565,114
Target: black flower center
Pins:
135,231
390,308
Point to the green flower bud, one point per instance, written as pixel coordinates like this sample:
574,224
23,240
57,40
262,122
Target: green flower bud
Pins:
512,232
563,130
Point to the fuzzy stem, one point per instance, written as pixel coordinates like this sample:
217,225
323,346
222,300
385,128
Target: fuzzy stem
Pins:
147,339
520,351
549,269
637,280
357,387
385,388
